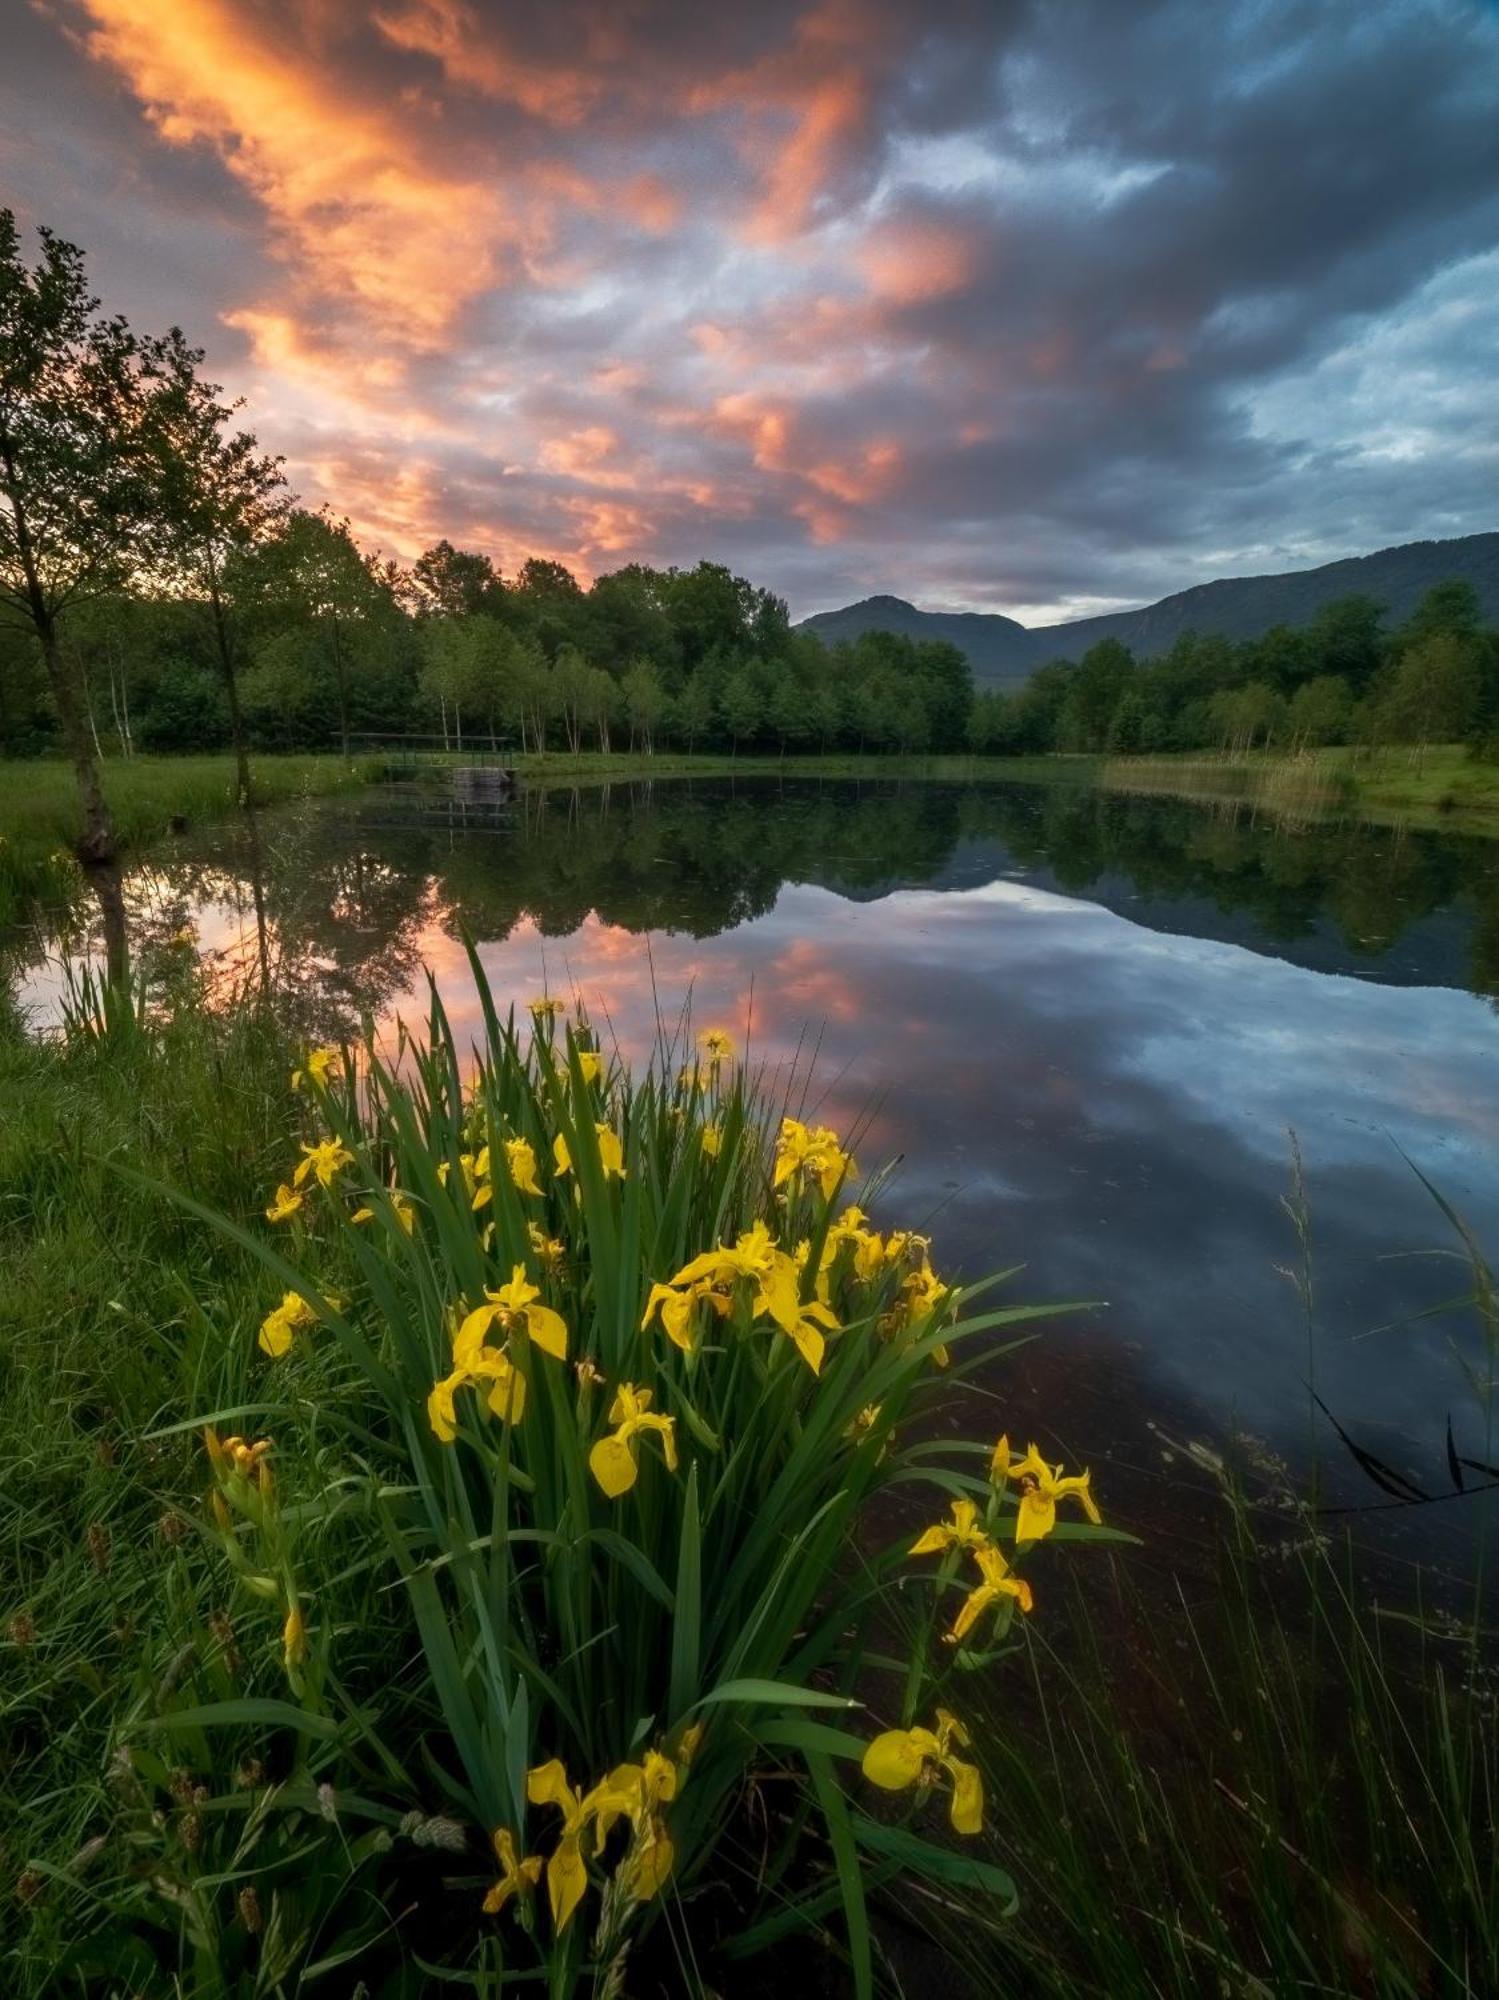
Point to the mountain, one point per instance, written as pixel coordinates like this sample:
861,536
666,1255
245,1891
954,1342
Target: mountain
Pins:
1003,653
993,644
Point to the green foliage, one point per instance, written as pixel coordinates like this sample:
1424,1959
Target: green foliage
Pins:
1338,680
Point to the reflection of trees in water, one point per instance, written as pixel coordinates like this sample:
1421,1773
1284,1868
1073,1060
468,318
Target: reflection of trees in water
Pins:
338,900
1368,883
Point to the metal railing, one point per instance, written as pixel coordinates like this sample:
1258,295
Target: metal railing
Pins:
412,750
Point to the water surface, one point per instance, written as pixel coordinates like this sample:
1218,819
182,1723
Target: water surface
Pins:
1086,1026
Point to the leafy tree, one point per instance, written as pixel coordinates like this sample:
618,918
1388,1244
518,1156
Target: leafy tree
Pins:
313,574
220,497
78,499
187,710
1345,638
741,705
454,583
1321,712
1433,693
645,704
692,711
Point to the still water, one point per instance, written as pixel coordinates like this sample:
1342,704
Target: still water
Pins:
1085,1026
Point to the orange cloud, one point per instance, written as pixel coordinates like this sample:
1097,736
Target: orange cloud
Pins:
908,263
355,206
476,55
802,107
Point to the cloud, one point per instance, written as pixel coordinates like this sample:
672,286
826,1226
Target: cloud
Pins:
1022,305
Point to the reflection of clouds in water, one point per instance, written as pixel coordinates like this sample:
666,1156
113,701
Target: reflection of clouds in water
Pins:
1109,1106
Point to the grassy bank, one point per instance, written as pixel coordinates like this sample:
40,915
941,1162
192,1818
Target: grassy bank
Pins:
1445,787
590,767
149,796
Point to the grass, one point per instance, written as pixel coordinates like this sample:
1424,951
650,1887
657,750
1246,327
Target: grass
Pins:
149,796
1274,1784
1442,787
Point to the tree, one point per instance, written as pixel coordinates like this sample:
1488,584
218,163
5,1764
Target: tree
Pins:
220,497
740,704
454,583
1345,640
317,573
692,711
645,703
1434,693
1321,711
1094,692
77,494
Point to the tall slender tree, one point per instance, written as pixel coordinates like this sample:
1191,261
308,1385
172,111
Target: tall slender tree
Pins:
78,493
220,496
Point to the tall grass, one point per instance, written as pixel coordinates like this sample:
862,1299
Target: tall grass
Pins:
1259,1781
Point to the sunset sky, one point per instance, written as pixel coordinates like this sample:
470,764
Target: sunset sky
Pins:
1039,308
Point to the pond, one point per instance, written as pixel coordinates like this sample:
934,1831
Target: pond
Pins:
1085,1026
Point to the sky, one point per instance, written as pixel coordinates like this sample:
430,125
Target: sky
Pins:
1035,306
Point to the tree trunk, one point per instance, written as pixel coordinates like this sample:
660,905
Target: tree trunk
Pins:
231,682
98,842
98,839
341,676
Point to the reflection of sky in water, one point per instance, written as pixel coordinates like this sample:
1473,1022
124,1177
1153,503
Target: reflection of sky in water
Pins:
1111,1106
1100,1089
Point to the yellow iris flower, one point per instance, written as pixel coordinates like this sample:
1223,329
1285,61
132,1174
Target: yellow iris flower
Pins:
232,1456
515,1309
520,1157
546,1009
962,1532
517,1877
638,1792
278,1328
611,1154
1041,1487
549,1252
294,1639
327,1159
717,1044
757,1257
999,1583
614,1460
318,1062
904,1757
815,1149
287,1202
567,1875
712,1141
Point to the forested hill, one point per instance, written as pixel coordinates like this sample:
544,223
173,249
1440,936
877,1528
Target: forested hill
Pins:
999,649
1002,652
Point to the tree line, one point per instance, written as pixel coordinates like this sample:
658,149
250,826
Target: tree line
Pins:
1345,678
165,592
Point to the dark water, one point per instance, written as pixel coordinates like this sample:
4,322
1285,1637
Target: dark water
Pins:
1086,1026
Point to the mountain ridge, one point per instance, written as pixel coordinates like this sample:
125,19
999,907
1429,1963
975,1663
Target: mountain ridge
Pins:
1003,653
